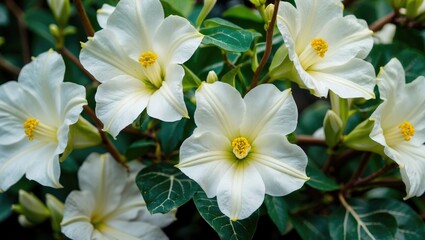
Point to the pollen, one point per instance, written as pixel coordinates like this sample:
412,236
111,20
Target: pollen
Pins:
29,127
320,46
241,147
147,58
407,130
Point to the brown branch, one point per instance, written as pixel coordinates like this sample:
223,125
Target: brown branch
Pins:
269,45
105,140
17,12
380,23
309,140
379,173
359,171
6,66
85,21
65,52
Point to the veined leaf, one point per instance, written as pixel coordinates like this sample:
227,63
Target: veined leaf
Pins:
311,226
319,180
278,211
226,229
164,187
228,38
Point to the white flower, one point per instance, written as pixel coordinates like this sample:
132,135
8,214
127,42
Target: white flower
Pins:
386,34
109,205
239,150
136,57
35,115
103,14
400,124
327,49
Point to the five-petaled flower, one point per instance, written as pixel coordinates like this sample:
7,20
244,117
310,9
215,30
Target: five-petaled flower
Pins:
239,151
400,124
35,115
327,49
109,205
136,57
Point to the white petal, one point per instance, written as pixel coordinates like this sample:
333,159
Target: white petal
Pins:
276,113
167,103
105,178
157,219
76,222
206,152
72,97
391,79
241,191
176,40
220,109
105,58
351,80
135,22
119,102
138,230
280,164
412,168
413,104
103,14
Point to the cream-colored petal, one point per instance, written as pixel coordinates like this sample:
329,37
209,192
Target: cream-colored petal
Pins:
167,103
276,113
103,14
220,109
135,22
206,152
135,230
176,40
281,164
355,79
119,102
105,58
241,191
391,80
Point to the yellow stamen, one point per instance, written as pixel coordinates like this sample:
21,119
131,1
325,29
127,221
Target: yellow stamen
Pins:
320,45
407,130
147,58
241,147
29,127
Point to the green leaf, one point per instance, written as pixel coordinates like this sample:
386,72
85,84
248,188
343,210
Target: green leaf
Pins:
319,180
243,12
364,220
164,187
312,117
311,226
178,7
228,38
5,206
229,77
170,134
190,80
138,148
226,228
4,15
38,21
216,22
278,211
413,62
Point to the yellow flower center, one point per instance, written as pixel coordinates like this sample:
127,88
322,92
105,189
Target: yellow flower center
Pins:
407,130
241,147
320,46
29,127
147,58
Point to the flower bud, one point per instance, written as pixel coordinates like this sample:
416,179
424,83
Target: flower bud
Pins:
212,77
31,208
258,3
206,9
268,14
56,208
358,138
332,126
61,11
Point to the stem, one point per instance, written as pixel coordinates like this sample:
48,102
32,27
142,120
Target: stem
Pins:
375,175
309,140
227,61
269,44
65,52
17,12
105,140
6,66
84,18
359,171
379,24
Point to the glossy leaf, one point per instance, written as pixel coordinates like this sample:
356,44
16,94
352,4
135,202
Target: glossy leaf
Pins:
311,226
190,80
226,229
278,211
228,38
319,180
164,187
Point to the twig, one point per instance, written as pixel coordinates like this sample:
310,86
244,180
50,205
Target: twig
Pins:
105,140
65,52
269,45
309,140
17,12
360,169
227,61
379,173
379,24
6,66
85,21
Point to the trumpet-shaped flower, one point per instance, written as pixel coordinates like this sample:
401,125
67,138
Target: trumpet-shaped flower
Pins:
109,205
136,57
35,115
239,151
400,124
327,49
